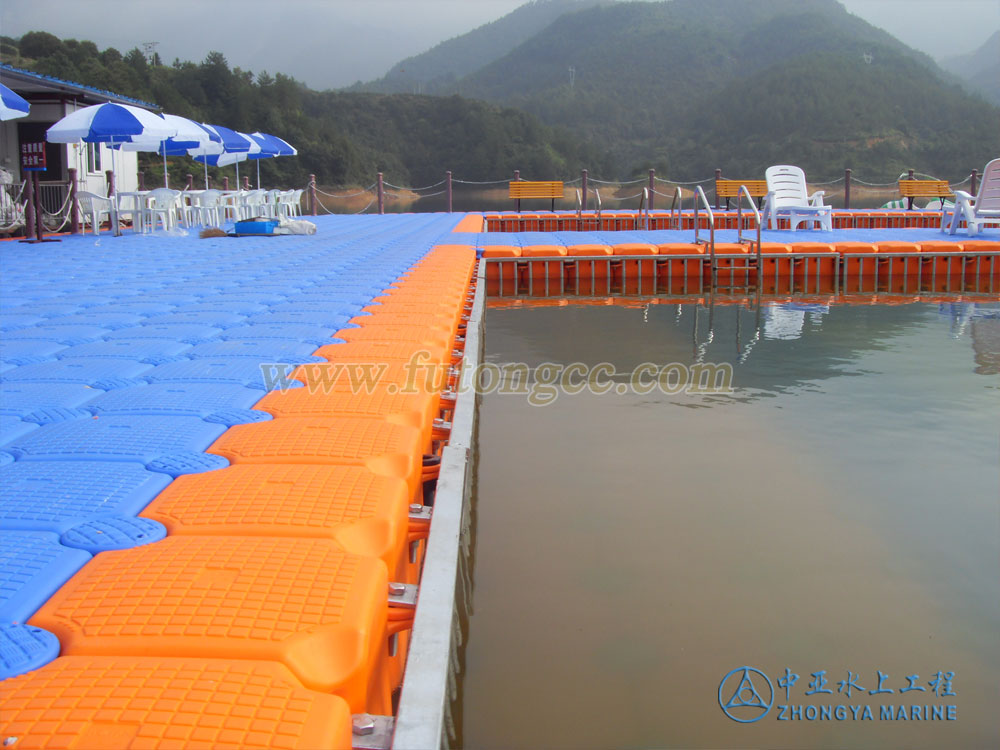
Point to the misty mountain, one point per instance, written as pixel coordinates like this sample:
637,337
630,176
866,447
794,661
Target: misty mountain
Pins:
437,70
979,70
688,85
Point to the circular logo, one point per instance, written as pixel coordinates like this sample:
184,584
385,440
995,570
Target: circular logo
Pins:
746,695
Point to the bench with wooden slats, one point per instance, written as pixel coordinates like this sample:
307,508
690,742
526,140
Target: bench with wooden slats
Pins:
911,189
527,189
726,188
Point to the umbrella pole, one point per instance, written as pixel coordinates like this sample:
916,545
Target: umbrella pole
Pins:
206,175
238,188
258,174
165,183
114,203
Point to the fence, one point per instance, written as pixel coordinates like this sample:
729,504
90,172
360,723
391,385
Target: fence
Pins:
60,209
613,193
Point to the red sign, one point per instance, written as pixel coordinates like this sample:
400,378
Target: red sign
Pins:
33,157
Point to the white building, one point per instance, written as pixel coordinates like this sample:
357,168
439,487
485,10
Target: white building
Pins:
52,99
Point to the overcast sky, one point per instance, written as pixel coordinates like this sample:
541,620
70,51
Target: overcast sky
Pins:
330,43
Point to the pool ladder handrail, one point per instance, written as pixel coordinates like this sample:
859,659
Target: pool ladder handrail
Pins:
579,207
743,191
644,208
677,208
699,198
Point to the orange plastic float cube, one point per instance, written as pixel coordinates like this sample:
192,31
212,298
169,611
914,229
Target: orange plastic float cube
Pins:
413,334
904,261
535,273
497,271
385,448
122,702
824,261
985,267
862,265
305,603
363,512
584,273
679,260
383,351
635,276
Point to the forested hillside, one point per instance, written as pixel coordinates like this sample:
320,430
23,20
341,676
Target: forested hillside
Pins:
980,69
344,138
437,70
688,85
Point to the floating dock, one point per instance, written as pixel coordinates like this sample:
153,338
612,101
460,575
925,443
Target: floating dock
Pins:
236,472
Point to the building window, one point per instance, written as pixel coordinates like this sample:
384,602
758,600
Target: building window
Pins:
94,158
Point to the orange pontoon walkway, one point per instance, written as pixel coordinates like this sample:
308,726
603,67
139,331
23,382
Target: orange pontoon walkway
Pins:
208,522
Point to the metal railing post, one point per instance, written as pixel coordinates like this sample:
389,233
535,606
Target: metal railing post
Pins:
718,176
847,188
313,203
190,182
448,188
225,182
584,179
652,188
972,179
29,207
381,194
517,178
74,203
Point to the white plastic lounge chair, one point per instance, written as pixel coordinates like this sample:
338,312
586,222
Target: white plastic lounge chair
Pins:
787,197
93,206
983,209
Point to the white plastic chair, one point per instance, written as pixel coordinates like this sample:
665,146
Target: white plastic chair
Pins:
254,204
208,207
273,201
787,197
93,206
983,209
161,204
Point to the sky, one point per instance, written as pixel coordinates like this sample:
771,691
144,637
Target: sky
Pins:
333,43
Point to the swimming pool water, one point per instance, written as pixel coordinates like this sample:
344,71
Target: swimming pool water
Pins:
838,513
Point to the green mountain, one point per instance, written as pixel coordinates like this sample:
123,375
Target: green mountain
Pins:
689,85
437,70
980,69
343,138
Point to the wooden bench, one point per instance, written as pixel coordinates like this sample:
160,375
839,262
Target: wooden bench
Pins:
524,189
911,189
725,188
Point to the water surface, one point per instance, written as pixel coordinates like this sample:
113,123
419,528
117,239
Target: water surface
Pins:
837,512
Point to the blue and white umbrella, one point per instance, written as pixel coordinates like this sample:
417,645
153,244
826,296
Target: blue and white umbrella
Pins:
190,135
12,105
236,147
270,147
112,124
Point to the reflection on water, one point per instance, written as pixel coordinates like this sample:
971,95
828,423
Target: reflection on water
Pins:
838,513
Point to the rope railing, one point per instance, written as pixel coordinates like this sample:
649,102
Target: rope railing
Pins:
675,182
626,198
382,189
870,184
472,182
616,182
349,195
415,189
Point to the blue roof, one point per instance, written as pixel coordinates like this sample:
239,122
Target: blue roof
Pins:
99,94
